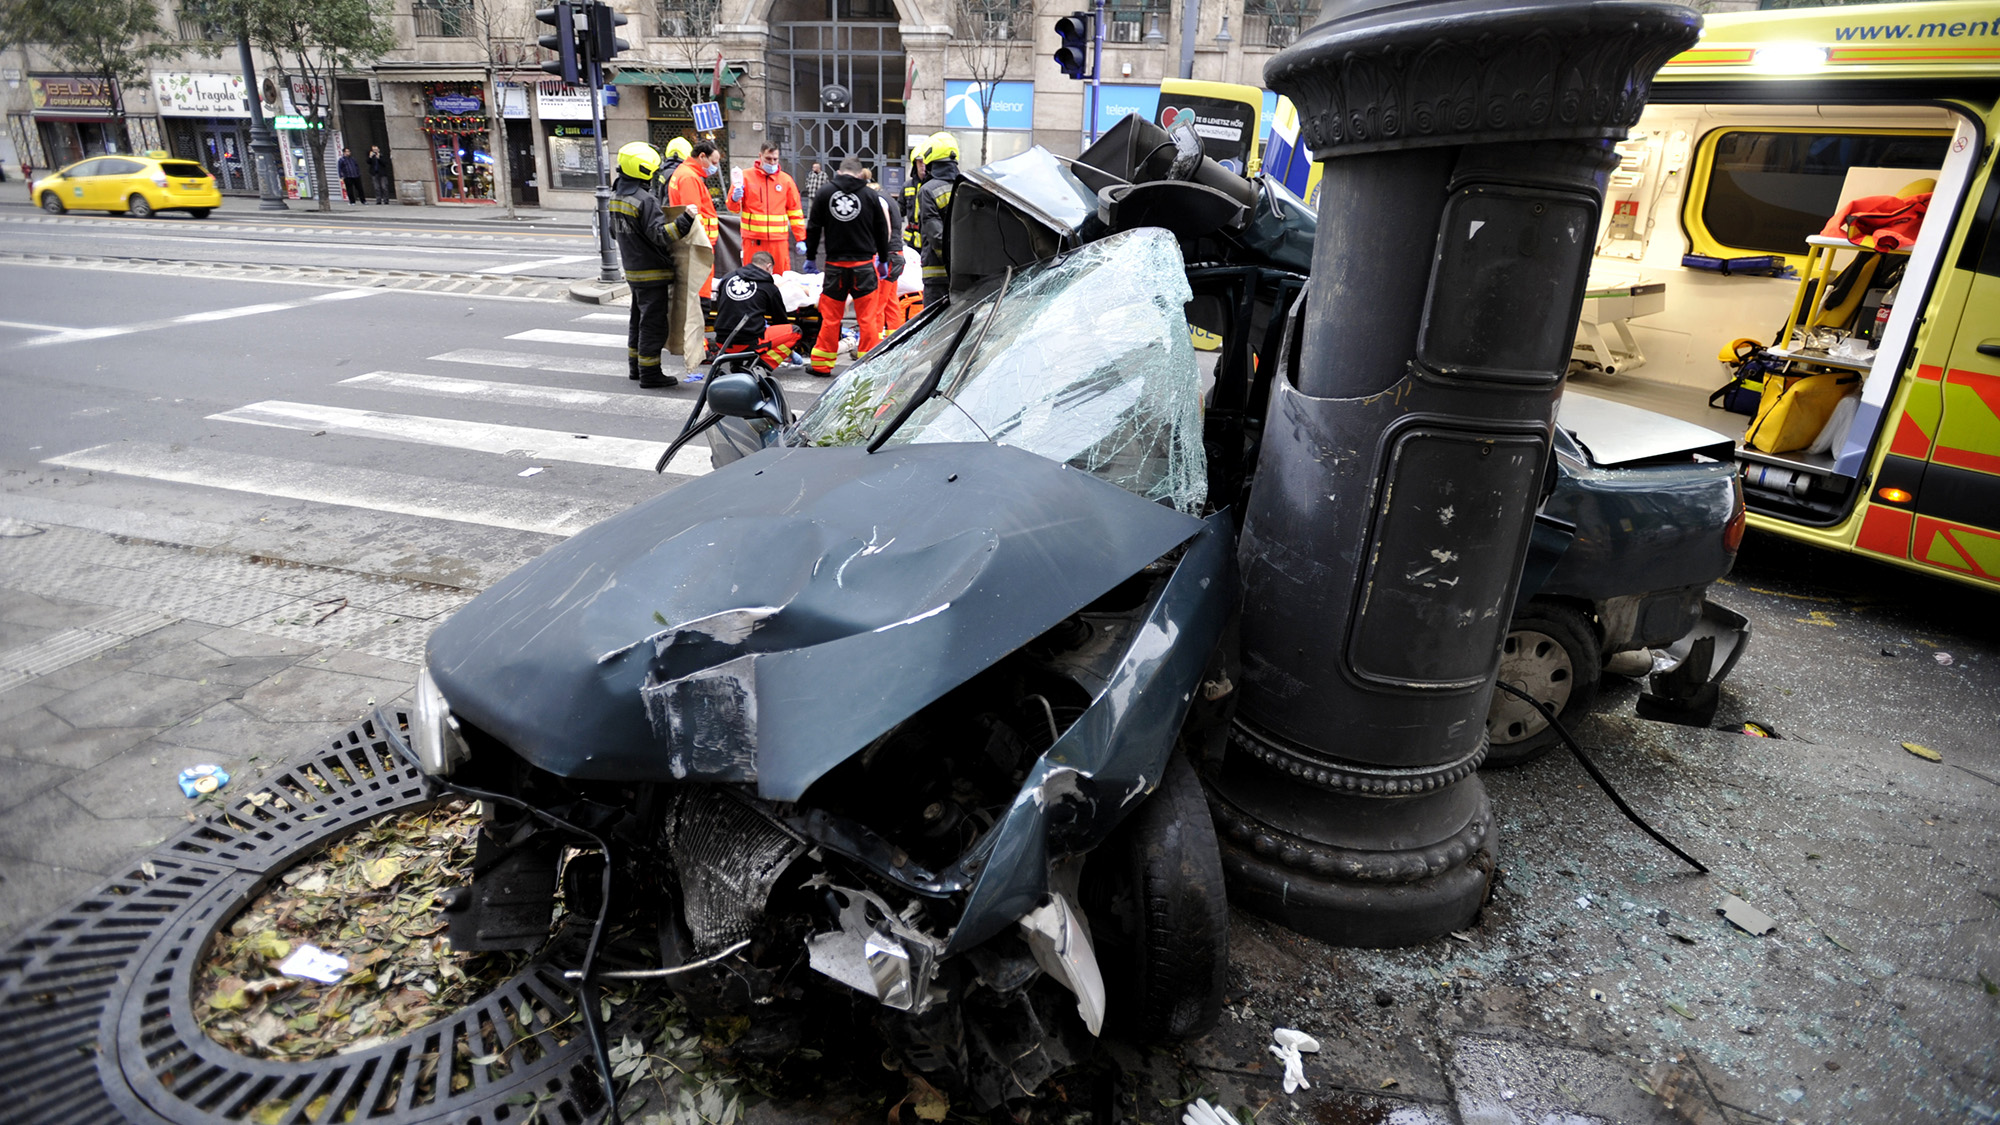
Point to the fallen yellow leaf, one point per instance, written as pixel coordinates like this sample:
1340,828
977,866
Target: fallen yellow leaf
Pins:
1924,752
382,872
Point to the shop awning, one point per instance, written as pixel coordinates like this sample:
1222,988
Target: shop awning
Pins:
429,72
676,77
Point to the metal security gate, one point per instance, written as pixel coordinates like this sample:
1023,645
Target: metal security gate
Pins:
837,91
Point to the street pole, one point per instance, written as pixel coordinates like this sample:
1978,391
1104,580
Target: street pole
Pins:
1096,66
1190,28
263,142
607,269
1383,539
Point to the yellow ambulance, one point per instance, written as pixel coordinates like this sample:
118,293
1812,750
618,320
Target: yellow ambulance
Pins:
1812,191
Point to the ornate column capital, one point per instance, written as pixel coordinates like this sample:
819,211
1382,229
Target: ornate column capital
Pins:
1385,76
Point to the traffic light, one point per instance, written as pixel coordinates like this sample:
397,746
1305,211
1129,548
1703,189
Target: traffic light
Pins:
1074,54
562,17
604,24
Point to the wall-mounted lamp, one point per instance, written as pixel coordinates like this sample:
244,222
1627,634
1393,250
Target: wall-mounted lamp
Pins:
1153,32
1223,36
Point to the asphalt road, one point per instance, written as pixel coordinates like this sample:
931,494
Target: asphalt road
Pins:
378,429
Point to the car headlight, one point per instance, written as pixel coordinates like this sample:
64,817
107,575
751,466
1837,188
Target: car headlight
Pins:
433,731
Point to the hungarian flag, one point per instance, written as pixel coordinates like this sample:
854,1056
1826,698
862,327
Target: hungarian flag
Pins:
715,81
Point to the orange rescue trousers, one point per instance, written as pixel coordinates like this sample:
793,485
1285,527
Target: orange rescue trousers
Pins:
867,318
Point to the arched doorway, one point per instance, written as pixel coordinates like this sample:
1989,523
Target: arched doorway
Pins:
836,84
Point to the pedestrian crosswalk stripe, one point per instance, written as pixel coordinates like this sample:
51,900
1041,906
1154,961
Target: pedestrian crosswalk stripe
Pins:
564,336
483,437
532,362
625,405
615,318
402,493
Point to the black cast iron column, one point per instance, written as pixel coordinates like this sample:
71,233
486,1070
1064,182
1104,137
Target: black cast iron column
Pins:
1465,149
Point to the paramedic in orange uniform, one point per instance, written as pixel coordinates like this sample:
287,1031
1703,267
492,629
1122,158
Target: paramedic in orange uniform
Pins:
774,218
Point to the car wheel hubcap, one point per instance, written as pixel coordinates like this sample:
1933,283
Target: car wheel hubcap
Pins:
1539,665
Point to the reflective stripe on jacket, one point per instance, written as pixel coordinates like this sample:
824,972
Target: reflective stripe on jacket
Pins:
933,213
690,186
771,207
645,236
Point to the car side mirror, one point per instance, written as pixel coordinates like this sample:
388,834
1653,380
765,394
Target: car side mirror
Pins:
740,394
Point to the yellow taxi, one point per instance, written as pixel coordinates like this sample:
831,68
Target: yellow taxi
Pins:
144,185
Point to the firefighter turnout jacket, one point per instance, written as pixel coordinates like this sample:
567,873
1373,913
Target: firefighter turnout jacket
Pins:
933,218
771,207
746,303
645,235
848,216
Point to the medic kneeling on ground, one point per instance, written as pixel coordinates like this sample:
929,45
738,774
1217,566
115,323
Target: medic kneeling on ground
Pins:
750,313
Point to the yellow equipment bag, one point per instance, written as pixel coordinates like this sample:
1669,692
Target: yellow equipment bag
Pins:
1794,408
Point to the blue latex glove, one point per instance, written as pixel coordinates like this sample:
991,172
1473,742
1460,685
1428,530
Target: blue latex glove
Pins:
808,266
799,248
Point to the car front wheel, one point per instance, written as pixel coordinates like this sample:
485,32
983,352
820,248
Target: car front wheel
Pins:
1160,915
139,207
1551,652
52,203
199,212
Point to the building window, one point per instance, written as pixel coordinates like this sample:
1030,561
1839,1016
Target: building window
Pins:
443,19
882,10
993,19
1130,20
688,19
1277,23
199,20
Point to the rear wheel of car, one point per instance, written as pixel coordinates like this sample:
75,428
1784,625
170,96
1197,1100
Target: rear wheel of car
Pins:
1160,915
1551,652
139,207
52,203
198,212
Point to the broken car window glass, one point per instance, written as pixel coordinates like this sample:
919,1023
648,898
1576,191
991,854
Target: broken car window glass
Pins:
1088,362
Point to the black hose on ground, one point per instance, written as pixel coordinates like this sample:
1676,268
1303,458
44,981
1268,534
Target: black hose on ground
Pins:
1590,768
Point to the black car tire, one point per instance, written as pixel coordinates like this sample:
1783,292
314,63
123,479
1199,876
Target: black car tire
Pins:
1551,652
52,203
139,207
1161,917
198,212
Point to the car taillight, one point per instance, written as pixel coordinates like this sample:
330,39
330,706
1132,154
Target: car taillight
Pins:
159,179
1739,520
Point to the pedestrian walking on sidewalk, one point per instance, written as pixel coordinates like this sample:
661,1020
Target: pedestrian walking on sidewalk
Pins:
647,239
378,171
848,216
815,180
350,176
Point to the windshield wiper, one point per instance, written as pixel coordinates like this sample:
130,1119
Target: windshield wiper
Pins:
935,375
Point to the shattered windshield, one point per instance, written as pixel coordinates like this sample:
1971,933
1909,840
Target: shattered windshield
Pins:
1085,360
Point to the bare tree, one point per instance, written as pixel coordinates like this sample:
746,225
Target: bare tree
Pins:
985,36
313,41
503,32
685,34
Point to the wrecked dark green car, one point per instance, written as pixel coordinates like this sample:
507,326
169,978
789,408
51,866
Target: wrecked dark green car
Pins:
892,706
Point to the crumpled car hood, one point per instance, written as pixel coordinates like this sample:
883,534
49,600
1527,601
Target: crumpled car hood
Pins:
767,621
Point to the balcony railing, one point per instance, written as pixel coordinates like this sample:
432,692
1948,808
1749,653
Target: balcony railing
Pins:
1277,23
442,19
197,23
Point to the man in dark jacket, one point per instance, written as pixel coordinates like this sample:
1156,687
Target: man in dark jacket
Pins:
646,238
750,313
350,176
848,216
378,171
934,215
